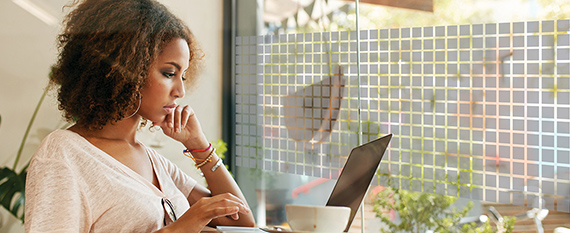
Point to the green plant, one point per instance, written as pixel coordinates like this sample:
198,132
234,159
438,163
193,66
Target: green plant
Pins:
420,211
221,149
13,183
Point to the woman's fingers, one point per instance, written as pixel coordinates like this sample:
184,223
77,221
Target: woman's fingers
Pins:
180,117
186,114
226,211
177,119
225,205
229,200
206,209
182,125
240,204
170,120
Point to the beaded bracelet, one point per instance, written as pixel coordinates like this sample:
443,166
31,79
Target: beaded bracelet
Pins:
215,167
208,159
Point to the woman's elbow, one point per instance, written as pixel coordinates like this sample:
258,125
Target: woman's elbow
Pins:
250,223
247,221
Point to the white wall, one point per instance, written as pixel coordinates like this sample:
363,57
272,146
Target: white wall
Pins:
27,50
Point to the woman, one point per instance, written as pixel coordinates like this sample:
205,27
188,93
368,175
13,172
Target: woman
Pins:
121,62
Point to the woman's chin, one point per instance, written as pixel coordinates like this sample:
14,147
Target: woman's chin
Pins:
156,121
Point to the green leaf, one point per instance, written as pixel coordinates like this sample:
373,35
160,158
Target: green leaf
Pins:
19,202
221,147
13,184
418,211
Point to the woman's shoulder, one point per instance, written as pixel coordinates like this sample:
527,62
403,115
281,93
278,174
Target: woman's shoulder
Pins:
60,134
57,143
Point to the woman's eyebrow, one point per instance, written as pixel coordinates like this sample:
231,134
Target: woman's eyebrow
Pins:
175,65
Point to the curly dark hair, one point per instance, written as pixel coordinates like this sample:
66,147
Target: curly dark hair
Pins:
106,48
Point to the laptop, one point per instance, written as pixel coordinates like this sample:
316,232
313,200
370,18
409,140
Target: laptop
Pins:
357,174
352,184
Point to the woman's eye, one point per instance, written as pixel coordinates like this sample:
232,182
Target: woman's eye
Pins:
183,78
168,75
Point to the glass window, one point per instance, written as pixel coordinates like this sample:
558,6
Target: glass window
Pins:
477,100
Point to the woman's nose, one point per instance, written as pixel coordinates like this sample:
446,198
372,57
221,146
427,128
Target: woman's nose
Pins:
179,90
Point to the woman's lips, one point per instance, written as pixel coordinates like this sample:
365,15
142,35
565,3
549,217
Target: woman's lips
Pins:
170,108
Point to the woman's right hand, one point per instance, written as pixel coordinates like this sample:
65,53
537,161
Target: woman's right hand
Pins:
205,210
219,206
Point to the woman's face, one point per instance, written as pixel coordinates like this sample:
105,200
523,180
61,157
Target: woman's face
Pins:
165,81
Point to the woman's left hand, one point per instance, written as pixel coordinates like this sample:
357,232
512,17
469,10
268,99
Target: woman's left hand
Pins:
182,125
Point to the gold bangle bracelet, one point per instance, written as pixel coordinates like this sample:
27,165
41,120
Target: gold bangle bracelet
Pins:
208,159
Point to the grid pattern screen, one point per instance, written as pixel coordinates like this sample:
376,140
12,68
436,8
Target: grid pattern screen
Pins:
476,111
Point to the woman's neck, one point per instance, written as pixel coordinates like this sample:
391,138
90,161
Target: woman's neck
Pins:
123,130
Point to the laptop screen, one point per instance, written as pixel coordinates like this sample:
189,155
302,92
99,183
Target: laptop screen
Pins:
357,174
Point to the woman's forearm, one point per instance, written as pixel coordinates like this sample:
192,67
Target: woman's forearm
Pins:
220,181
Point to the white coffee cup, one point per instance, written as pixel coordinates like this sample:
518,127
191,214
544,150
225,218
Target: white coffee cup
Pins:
330,219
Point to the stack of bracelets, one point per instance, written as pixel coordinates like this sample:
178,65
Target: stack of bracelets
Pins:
201,162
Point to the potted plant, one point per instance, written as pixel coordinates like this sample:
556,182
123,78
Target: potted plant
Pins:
13,182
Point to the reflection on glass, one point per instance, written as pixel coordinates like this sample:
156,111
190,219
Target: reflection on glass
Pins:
478,109
312,112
